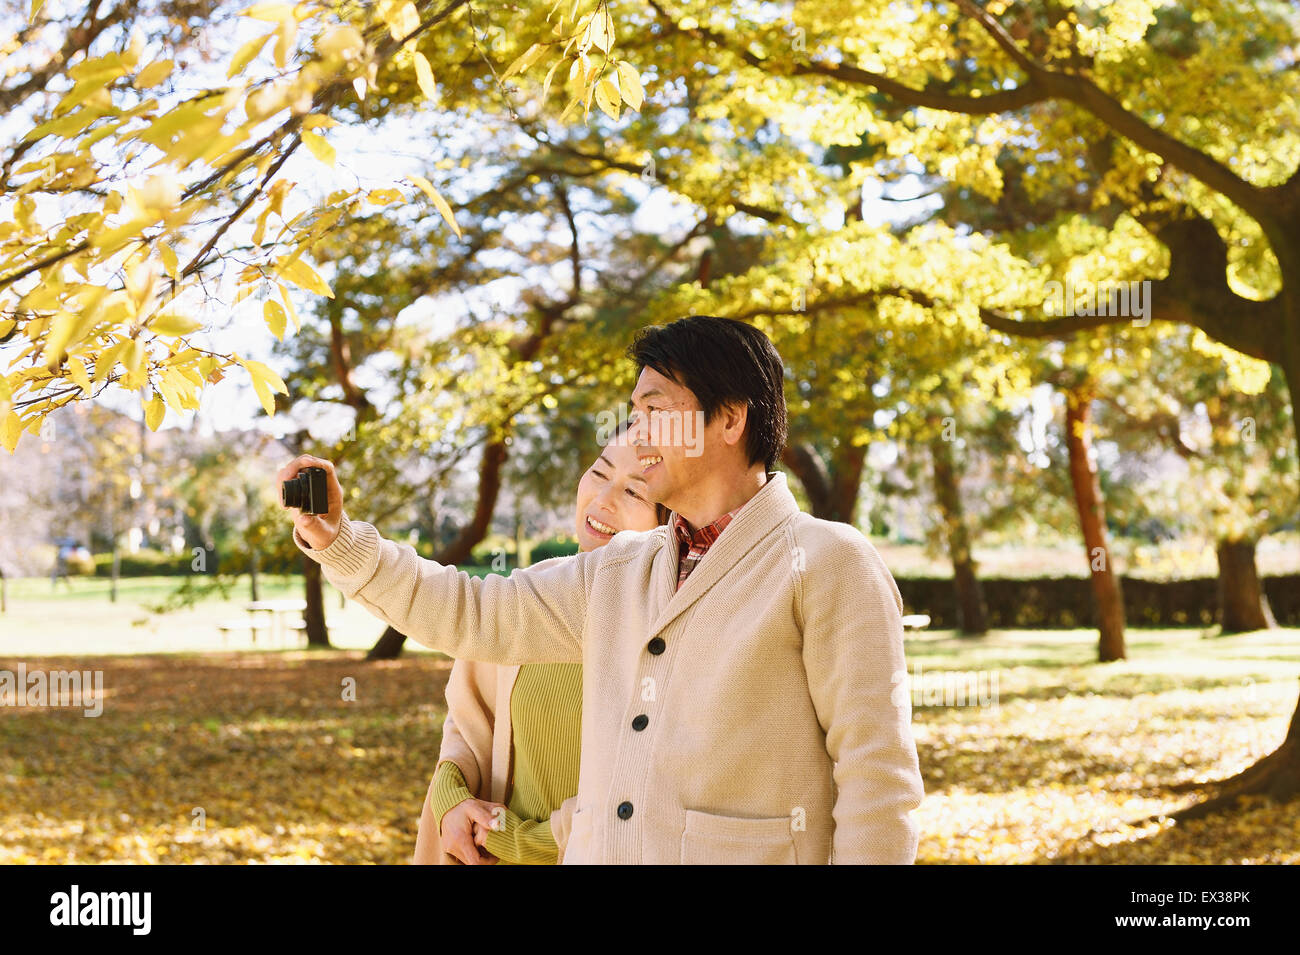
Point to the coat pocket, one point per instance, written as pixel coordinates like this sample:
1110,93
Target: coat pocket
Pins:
577,850
711,839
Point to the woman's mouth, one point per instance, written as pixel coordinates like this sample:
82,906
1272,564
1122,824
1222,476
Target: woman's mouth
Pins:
650,460
600,528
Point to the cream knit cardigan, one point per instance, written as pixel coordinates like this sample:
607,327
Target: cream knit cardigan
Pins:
778,721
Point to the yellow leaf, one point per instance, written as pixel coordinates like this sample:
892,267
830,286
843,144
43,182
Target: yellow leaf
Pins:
402,20
174,325
304,276
629,84
274,314
602,29
383,197
264,380
550,75
246,53
319,146
106,360
270,11
77,372
133,355
607,98
288,306
424,75
154,409
153,74
439,202
12,429
524,60
169,259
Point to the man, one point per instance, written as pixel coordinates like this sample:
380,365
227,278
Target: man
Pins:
738,704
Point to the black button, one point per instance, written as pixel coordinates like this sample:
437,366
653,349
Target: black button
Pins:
625,810
656,646
641,722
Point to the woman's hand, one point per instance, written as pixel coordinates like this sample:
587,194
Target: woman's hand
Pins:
461,825
318,530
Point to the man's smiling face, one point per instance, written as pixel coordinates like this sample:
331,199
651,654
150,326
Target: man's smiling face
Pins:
673,443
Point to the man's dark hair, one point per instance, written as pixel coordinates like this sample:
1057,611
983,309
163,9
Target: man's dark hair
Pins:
722,360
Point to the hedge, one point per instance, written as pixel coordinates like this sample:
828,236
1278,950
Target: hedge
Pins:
1066,602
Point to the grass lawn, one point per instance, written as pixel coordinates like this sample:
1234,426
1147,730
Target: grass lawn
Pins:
78,618
254,756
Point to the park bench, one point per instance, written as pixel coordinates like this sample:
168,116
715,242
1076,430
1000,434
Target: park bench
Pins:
240,625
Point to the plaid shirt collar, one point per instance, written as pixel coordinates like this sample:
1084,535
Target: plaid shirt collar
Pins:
693,545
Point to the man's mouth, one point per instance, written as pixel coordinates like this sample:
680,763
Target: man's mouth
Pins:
600,527
650,460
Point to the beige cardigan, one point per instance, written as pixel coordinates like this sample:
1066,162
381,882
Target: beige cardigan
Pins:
477,737
773,683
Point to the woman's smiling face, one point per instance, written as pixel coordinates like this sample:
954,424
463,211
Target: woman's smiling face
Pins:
612,497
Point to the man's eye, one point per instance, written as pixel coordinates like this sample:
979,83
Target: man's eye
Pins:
599,475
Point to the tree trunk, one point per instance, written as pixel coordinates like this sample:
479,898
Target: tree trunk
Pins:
972,612
1243,605
1092,518
117,566
252,573
314,615
832,491
390,643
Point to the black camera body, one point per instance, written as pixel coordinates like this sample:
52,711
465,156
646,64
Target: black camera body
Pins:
309,491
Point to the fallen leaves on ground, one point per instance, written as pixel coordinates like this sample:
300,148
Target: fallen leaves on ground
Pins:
259,758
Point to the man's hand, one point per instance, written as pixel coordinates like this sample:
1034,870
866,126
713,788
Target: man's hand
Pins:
460,826
318,530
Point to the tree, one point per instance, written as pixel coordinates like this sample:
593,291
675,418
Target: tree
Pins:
116,279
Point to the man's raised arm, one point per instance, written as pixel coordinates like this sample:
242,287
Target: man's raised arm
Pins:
535,615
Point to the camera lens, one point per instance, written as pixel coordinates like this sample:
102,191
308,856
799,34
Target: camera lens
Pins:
291,492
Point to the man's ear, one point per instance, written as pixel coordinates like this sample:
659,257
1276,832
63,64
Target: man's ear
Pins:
733,416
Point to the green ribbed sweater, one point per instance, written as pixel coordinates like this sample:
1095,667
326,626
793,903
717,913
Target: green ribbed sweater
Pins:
546,726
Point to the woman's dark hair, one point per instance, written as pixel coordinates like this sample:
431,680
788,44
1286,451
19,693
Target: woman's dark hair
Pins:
722,360
661,513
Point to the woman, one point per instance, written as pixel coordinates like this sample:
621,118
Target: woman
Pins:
507,773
